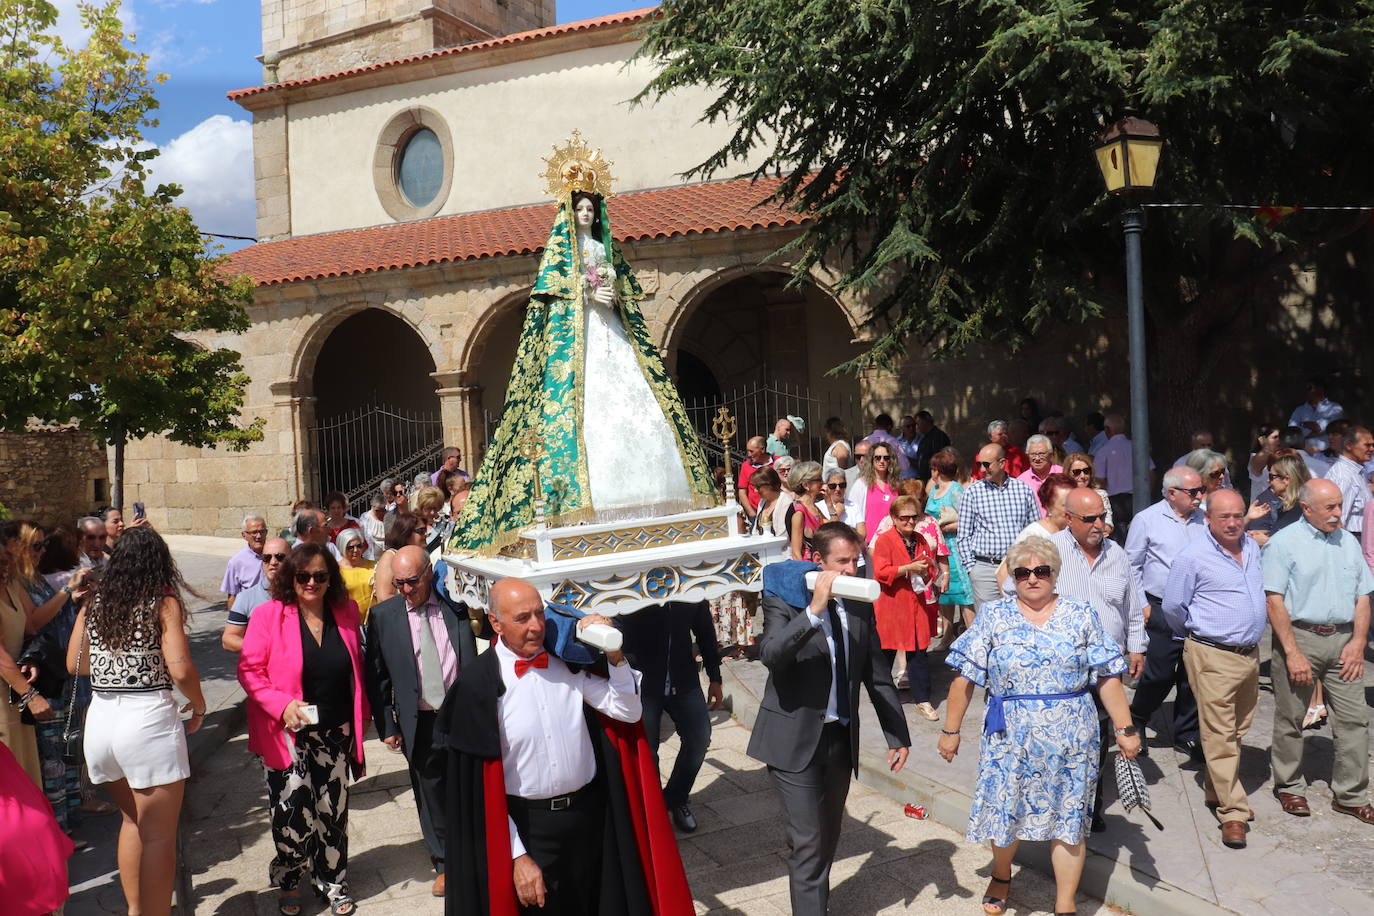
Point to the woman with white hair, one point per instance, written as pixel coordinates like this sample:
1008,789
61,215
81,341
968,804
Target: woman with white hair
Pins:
356,569
1212,467
1038,655
783,464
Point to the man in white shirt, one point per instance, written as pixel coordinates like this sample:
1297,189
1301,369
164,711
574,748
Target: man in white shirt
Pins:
530,776
1313,414
1347,472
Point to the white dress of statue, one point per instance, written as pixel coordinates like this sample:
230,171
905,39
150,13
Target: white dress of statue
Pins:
633,463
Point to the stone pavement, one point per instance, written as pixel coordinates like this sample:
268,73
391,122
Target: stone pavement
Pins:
1318,864
887,863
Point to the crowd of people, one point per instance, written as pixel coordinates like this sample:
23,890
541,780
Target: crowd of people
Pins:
1029,572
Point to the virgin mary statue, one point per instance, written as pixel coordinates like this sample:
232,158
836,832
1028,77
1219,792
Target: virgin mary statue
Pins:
588,387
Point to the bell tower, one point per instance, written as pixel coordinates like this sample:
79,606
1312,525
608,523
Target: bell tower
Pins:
304,38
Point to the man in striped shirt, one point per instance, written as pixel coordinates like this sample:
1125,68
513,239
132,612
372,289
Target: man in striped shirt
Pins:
991,514
1096,570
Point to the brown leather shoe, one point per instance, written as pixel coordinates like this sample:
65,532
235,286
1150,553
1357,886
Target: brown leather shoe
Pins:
1294,804
1363,812
1233,834
438,888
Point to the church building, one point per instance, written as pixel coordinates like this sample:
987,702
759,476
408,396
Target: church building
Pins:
400,217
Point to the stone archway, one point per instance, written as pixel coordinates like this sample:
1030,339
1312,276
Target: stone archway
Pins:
376,410
765,349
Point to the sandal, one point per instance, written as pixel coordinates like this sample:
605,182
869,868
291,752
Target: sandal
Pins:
289,904
901,680
1314,717
996,906
342,905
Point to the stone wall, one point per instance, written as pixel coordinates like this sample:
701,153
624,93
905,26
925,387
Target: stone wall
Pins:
52,474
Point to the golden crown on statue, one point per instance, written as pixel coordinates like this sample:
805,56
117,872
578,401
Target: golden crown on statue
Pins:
575,166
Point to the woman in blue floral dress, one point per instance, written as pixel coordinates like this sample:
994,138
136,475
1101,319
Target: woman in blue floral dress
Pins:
1038,655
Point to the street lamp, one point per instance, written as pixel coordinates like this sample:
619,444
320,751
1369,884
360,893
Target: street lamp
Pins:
1128,155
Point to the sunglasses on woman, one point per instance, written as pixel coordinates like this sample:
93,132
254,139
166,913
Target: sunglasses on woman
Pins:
1274,477
835,486
1081,472
908,518
319,578
1021,573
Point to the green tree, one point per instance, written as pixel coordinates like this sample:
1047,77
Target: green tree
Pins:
108,298
943,153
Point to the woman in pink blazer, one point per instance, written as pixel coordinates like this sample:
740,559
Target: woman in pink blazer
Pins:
302,668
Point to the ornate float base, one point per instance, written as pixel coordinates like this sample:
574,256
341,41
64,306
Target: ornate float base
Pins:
620,567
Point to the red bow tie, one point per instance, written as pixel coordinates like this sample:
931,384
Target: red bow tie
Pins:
524,664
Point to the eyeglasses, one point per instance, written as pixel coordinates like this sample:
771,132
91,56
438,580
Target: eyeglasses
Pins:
882,457
1090,519
1037,454
1191,491
836,486
355,545
1217,474
984,464
1273,477
257,533
319,577
399,491
1021,573
39,545
1082,472
274,558
908,518
408,582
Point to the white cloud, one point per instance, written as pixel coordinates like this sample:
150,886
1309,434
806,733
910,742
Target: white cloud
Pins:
74,34
213,163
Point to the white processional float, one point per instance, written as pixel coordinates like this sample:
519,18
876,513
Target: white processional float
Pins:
595,488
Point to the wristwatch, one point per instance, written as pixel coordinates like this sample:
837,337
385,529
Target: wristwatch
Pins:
1129,731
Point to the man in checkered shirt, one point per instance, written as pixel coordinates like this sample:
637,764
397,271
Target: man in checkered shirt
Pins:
992,512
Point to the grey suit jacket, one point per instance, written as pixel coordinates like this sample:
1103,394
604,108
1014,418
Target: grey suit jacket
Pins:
788,728
393,681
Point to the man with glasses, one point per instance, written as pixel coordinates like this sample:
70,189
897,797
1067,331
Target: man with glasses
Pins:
245,567
1040,458
1157,535
271,558
1057,431
992,513
93,552
451,457
418,643
1347,473
1097,570
1215,598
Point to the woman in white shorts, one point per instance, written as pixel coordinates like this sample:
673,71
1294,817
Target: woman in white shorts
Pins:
131,640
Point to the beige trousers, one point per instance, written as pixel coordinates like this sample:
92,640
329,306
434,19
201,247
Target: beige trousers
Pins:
1226,685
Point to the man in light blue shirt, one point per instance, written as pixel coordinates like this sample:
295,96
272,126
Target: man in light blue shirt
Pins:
1317,585
1215,596
1157,535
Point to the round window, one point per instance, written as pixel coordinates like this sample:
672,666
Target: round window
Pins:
420,169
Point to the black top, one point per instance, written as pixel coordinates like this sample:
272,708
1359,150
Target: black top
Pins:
327,673
658,641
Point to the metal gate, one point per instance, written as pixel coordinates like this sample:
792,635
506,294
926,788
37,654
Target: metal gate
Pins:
759,406
356,451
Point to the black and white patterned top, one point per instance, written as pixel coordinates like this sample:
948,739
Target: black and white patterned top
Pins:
137,668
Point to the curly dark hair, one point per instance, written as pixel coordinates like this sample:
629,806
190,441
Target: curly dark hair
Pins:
138,575
284,587
61,553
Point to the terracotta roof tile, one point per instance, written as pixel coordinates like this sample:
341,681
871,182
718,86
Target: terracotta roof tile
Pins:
583,25
718,206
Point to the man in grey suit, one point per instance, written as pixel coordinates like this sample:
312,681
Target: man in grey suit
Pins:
418,644
807,730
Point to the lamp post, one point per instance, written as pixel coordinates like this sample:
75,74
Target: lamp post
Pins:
1128,155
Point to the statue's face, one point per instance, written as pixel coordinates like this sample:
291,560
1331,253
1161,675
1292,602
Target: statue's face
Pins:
585,212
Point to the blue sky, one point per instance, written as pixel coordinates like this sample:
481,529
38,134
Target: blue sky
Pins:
206,48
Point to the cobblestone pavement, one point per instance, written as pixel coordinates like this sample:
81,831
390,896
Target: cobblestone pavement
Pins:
887,863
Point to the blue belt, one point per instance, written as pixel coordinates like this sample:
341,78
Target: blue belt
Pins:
996,720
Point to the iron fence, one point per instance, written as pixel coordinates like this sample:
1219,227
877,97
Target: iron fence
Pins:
357,450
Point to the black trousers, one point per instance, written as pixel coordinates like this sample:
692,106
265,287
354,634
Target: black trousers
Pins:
567,847
1123,510
1164,672
427,780
813,802
917,672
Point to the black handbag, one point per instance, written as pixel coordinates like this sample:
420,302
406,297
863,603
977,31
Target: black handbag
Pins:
49,659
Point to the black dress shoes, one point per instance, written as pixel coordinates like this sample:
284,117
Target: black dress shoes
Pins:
1193,749
682,816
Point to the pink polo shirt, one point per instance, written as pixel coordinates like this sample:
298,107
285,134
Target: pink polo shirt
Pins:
448,659
1029,479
